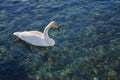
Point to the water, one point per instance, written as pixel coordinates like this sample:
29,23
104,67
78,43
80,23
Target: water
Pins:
87,47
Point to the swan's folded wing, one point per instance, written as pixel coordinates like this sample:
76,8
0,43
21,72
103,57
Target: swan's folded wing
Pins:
35,40
36,32
32,38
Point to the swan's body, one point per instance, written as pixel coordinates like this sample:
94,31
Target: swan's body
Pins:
37,38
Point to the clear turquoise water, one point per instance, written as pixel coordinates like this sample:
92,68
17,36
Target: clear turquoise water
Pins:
87,47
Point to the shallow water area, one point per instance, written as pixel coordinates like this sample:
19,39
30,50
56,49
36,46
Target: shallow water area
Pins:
87,45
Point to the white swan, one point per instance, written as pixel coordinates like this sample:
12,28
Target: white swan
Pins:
38,38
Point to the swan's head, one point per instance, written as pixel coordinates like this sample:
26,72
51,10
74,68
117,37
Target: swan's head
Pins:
54,25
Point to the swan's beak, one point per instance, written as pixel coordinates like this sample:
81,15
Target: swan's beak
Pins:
58,29
56,26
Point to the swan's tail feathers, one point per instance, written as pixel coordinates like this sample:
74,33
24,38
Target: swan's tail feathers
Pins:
16,33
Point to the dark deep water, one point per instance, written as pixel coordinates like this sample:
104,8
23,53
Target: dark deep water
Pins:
87,46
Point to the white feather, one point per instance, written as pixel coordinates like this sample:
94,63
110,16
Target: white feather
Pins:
37,38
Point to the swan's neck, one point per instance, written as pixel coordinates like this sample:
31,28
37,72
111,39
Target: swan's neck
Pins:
46,30
50,41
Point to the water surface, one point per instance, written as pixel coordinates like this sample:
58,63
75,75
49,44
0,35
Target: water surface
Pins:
87,47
